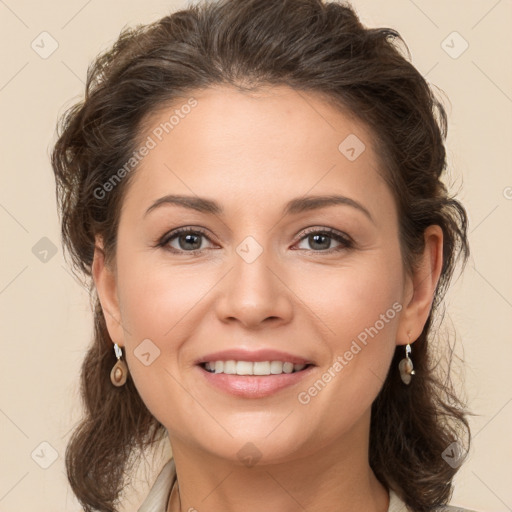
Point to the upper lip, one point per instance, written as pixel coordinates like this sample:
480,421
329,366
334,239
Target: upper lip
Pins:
253,355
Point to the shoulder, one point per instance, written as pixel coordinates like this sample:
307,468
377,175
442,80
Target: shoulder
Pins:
158,497
452,508
397,505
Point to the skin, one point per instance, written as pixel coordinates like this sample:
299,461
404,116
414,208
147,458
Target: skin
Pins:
252,153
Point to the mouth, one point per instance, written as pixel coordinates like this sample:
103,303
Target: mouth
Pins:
253,368
253,379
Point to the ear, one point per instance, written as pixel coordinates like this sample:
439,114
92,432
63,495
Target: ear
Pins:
420,287
106,286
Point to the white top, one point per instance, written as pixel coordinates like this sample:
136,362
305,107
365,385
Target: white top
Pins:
158,497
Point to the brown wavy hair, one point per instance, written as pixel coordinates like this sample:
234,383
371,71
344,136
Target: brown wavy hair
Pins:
308,45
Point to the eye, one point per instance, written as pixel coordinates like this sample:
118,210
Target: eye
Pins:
188,240
321,239
184,240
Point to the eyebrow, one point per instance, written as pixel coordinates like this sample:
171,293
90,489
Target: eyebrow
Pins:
293,207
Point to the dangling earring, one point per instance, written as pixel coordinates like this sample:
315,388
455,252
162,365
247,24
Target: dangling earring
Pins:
119,372
406,367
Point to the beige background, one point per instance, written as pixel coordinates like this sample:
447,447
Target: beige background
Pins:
46,322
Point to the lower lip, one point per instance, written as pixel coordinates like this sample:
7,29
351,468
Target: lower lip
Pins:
254,386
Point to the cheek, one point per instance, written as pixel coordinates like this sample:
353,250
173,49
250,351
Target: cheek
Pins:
359,314
351,299
358,309
154,297
161,307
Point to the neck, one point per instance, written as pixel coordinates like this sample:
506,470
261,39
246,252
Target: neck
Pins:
336,478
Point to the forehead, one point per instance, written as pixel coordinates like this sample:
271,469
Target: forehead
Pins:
265,145
226,121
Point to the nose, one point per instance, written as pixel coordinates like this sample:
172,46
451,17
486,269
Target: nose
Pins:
254,293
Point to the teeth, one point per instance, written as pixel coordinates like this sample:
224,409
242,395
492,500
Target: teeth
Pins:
261,368
243,368
230,367
249,368
287,367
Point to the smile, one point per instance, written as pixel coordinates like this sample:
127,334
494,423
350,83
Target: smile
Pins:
258,379
233,367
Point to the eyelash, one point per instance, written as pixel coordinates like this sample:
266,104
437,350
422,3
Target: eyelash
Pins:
345,241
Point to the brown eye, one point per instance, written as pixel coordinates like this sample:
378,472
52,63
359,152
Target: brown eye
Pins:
321,240
189,241
184,240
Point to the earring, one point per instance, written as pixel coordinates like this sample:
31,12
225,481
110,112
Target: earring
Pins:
119,372
406,367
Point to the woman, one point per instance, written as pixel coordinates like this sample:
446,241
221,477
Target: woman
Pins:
254,188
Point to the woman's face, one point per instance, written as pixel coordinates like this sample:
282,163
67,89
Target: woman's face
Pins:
264,268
